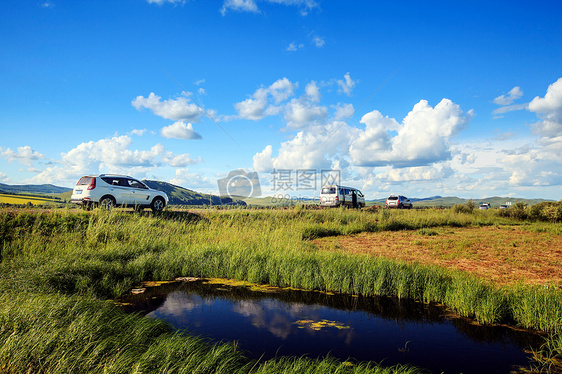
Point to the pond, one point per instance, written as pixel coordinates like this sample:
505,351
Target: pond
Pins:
269,322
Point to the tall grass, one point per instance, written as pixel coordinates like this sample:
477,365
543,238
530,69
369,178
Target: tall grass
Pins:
72,260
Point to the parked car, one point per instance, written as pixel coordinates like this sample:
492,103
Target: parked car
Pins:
398,202
335,195
109,190
484,206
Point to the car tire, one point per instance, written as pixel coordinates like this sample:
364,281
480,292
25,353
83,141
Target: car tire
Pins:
107,202
157,204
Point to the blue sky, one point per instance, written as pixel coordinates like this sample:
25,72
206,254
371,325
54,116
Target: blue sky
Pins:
422,99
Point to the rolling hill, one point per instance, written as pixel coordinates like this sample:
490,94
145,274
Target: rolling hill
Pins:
184,196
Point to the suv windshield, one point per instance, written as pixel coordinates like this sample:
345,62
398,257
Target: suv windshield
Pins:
393,198
328,190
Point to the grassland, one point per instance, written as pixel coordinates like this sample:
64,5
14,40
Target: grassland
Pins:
22,199
59,268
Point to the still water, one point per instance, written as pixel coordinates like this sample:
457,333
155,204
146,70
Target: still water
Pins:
270,322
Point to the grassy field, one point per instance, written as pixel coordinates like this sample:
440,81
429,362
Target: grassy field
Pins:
59,267
21,199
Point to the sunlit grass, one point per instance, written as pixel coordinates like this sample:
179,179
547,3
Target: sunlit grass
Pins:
82,258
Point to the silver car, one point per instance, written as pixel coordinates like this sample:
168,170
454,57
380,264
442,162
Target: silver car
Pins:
109,190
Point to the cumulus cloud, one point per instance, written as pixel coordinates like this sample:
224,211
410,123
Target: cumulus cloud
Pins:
311,148
184,178
312,91
258,106
414,174
549,109
180,130
423,137
508,99
112,155
24,155
299,114
175,110
346,85
533,168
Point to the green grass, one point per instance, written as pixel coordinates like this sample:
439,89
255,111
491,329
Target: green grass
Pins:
58,267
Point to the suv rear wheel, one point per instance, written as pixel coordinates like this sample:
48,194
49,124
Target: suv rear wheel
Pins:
107,202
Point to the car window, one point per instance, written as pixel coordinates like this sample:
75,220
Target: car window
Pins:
115,181
328,190
84,181
393,198
135,184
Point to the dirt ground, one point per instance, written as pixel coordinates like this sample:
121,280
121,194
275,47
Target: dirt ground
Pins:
503,255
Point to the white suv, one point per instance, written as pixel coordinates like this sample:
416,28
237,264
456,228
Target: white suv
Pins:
109,190
398,201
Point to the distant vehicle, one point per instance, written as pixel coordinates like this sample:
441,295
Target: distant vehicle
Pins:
398,202
110,190
504,206
335,195
484,206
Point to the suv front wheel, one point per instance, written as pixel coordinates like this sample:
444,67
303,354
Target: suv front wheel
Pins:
157,204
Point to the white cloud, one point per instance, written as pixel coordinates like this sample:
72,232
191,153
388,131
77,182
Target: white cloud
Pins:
533,168
112,155
175,110
24,155
239,6
311,148
162,2
138,132
301,113
312,91
507,109
192,180
179,130
514,94
343,111
47,4
4,178
318,41
253,108
346,85
182,160
418,173
293,47
250,6
549,109
258,107
422,139
263,161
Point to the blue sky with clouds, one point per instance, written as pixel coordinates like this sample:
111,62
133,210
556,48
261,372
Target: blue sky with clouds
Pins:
422,99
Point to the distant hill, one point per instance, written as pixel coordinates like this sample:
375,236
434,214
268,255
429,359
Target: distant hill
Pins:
446,202
183,196
33,188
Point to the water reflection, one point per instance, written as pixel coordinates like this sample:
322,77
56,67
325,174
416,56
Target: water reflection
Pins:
290,322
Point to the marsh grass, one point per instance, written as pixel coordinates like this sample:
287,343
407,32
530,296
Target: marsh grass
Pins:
70,261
